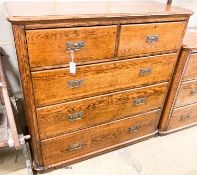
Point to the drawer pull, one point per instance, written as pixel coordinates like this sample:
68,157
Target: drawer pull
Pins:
75,116
75,45
75,146
152,39
134,128
75,83
145,71
193,92
139,101
185,117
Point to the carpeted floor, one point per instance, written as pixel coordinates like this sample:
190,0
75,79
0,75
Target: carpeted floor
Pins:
174,154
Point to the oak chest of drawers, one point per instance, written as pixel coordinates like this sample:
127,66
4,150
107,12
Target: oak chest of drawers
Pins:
181,107
125,54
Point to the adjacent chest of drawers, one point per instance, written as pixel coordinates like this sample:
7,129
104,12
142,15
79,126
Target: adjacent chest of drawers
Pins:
181,107
125,54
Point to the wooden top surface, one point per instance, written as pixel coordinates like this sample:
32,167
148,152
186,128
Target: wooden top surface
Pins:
44,11
190,39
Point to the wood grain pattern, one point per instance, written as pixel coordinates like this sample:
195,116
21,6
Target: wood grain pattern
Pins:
24,13
173,89
54,120
191,69
52,86
133,38
58,149
48,47
183,116
22,55
187,93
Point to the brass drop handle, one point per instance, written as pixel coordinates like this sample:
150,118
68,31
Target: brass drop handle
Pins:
139,101
75,83
75,116
185,117
75,146
193,92
145,71
134,129
150,39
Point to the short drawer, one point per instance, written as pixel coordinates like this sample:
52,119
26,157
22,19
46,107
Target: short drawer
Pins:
50,47
187,94
80,143
191,69
58,85
183,116
71,116
150,38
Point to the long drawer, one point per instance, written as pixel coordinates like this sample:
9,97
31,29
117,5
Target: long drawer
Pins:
187,93
58,85
183,116
77,144
150,38
49,47
191,69
75,115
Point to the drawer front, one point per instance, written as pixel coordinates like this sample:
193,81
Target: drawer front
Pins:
191,69
187,94
67,117
73,145
183,116
59,85
49,47
150,38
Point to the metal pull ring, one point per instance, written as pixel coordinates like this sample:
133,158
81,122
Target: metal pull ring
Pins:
75,45
139,101
134,128
75,83
145,71
185,117
75,146
150,39
75,116
193,92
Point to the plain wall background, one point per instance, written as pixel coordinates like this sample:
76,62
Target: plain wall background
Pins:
7,42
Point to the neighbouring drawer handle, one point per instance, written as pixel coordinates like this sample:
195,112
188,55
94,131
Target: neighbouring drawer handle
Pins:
134,128
75,116
185,117
152,39
75,83
75,45
75,146
139,101
193,92
145,71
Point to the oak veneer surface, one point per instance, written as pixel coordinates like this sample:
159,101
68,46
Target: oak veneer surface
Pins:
133,38
183,116
48,47
187,93
191,69
25,12
100,78
59,149
54,120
